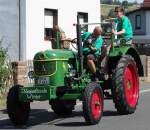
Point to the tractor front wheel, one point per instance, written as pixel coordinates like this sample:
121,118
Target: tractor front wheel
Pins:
18,111
125,89
93,103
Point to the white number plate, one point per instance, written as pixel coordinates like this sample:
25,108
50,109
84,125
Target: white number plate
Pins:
43,80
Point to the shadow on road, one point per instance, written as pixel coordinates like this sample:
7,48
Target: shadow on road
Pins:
110,113
43,117
37,117
79,124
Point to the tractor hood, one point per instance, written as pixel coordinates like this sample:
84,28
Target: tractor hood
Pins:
52,64
55,54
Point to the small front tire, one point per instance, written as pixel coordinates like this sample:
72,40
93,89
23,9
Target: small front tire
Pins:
18,111
93,103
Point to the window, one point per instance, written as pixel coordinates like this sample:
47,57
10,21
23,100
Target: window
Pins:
50,19
83,18
138,22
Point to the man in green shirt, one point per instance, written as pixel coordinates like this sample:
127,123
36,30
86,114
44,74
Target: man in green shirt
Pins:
122,26
92,43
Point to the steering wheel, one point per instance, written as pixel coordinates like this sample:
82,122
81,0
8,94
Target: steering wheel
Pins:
70,41
74,41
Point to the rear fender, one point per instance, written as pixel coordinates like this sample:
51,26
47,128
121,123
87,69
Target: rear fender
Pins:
137,59
116,53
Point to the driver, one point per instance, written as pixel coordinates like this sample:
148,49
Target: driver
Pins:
92,43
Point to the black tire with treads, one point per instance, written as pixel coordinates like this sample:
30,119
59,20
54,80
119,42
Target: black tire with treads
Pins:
93,103
125,89
18,112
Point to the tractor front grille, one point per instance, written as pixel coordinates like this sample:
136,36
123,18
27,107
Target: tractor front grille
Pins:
44,67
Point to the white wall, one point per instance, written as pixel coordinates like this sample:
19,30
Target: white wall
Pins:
33,33
148,22
9,27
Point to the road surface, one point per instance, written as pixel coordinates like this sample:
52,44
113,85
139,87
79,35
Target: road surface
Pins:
42,117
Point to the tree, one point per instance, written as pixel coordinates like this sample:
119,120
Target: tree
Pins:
111,13
125,4
5,70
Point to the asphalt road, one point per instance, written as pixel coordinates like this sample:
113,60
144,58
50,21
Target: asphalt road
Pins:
42,117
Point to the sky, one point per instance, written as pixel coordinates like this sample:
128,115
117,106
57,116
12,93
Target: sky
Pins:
139,1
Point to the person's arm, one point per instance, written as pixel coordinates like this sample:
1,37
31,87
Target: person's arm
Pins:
114,28
93,49
114,25
86,50
124,26
84,37
120,32
98,45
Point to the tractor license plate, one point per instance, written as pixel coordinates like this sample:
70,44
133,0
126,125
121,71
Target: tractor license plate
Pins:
43,80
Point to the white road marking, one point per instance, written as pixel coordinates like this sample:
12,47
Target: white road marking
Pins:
3,118
145,91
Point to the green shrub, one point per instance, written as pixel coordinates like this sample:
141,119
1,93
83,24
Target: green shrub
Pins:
5,70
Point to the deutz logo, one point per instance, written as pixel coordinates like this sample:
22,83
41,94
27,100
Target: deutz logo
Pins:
43,68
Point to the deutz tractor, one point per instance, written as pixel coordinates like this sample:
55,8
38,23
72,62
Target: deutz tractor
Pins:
61,76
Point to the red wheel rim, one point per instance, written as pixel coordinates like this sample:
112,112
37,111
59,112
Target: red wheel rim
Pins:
131,85
96,104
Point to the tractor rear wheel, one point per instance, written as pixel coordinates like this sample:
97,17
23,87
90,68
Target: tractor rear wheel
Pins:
18,112
62,107
125,89
93,103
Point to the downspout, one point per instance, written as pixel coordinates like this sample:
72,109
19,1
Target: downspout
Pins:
19,2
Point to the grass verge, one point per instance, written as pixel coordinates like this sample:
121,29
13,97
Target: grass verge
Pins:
105,8
2,102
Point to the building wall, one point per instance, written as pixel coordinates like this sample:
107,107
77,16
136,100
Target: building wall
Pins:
148,22
9,26
132,17
33,24
141,36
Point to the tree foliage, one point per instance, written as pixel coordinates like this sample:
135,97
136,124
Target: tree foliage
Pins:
5,68
115,2
125,4
111,13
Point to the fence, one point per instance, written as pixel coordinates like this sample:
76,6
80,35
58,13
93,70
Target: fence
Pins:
148,67
29,68
20,72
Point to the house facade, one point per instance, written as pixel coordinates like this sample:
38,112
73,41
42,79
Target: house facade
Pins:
140,20
26,24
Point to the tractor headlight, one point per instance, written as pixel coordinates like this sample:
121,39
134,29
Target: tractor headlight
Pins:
72,71
31,74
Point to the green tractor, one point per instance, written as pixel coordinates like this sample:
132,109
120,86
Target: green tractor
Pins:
61,77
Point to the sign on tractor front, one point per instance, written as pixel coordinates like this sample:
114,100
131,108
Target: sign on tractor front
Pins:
33,93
